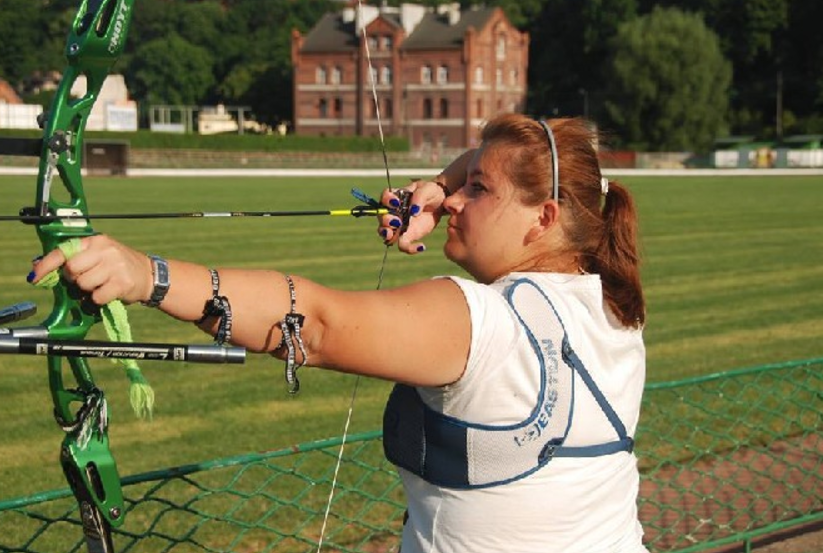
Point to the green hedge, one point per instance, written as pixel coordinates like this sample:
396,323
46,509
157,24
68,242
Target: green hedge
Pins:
145,139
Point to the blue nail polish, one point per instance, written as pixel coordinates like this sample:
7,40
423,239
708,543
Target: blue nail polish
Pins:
421,248
395,223
384,233
394,202
30,277
415,209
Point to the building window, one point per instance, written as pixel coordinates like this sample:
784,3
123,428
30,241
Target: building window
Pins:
389,108
513,77
386,43
336,75
426,74
323,108
499,77
338,107
478,74
372,75
427,109
320,75
444,108
501,47
385,75
372,43
442,74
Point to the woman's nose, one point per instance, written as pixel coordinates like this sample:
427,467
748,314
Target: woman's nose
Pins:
453,203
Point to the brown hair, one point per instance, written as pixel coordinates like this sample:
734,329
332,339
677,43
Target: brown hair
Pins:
603,231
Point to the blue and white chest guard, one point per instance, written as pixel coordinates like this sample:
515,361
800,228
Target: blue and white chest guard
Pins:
455,453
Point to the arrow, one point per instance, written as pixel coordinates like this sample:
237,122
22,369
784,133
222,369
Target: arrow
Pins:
26,216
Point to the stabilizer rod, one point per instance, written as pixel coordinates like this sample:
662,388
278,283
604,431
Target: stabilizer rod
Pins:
11,344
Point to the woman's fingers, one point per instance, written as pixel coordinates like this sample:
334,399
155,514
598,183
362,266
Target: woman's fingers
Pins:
389,227
424,211
104,268
46,264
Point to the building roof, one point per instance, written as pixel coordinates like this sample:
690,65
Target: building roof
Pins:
333,34
434,30
7,94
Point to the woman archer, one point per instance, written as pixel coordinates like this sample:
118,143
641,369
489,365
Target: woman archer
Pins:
518,390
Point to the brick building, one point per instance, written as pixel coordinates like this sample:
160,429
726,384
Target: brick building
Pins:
439,73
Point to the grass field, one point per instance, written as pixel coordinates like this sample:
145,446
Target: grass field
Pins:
732,273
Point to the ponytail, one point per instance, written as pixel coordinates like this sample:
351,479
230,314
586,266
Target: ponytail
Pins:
602,226
616,258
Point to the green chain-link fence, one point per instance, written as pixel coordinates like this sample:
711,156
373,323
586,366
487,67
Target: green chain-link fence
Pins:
731,455
723,458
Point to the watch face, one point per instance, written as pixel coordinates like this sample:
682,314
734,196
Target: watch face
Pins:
163,274
160,268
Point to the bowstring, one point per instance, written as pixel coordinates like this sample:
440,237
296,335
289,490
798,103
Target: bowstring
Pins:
373,82
353,398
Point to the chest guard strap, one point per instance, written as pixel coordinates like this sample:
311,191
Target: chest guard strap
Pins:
455,453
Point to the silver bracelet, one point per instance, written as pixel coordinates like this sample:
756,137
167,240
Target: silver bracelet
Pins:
218,306
292,328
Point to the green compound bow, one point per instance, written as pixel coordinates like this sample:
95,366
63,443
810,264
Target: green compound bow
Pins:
96,40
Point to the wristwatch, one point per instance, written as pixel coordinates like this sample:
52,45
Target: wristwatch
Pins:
160,273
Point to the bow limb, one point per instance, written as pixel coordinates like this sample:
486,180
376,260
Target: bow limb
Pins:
94,43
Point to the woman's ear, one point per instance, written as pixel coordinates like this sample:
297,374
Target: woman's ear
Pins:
548,215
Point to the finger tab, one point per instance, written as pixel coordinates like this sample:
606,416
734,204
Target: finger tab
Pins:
403,211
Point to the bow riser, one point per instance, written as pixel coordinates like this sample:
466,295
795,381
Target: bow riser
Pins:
96,40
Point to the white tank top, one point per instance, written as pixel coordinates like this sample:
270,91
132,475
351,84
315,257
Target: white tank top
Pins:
585,505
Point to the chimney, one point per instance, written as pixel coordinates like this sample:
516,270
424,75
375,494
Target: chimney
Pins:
452,11
364,17
348,15
410,16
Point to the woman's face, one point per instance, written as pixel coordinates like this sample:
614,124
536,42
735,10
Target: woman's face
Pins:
486,233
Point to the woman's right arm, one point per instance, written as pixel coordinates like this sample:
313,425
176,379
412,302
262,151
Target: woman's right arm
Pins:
453,177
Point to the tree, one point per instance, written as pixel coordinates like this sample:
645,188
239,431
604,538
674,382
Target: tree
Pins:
255,67
754,38
668,83
18,47
568,50
803,66
520,12
171,70
747,28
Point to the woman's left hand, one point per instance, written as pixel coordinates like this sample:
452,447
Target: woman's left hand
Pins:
104,268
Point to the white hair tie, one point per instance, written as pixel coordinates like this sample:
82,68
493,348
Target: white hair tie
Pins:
604,186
